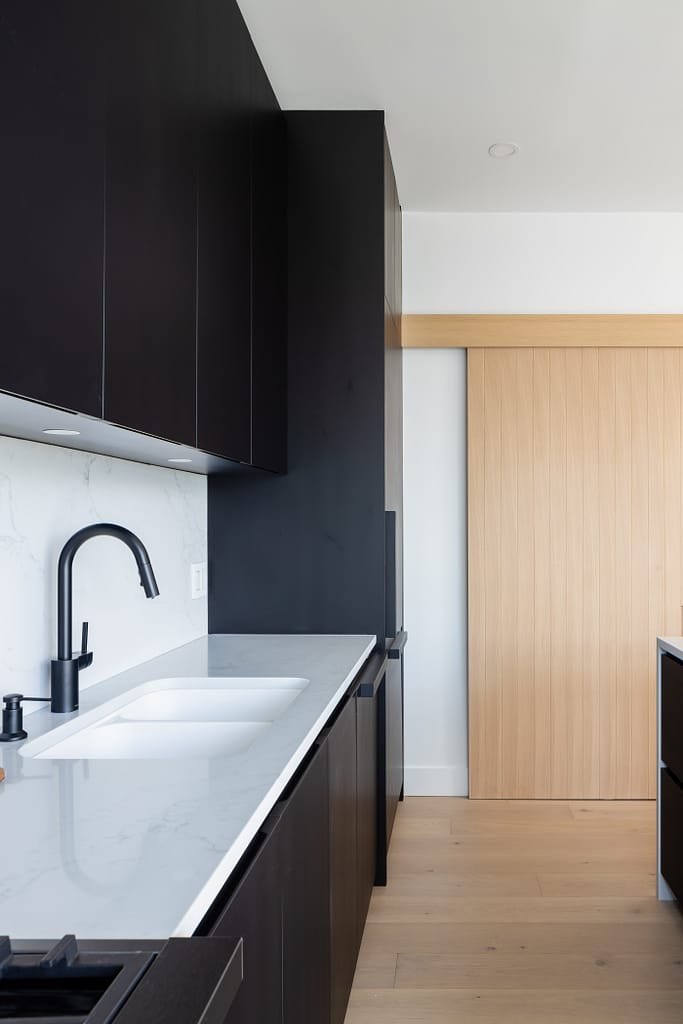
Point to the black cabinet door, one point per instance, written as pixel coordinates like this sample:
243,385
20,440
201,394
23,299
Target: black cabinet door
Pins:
269,277
367,782
190,980
151,217
672,714
344,901
671,831
393,732
52,182
306,908
253,913
224,233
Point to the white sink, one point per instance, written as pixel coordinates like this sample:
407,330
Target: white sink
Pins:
157,740
173,718
262,705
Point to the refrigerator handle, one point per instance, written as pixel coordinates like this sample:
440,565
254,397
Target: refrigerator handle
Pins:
395,645
390,616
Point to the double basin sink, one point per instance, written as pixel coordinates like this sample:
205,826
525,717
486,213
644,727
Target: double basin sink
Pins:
191,717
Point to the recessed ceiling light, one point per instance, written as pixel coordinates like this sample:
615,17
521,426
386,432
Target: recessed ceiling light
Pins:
61,432
500,150
180,460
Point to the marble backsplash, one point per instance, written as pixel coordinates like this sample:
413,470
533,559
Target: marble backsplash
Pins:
46,494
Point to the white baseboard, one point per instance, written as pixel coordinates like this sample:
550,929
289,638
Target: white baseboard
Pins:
436,780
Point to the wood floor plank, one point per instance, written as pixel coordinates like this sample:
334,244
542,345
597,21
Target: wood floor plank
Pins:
396,906
623,883
530,971
599,939
505,1006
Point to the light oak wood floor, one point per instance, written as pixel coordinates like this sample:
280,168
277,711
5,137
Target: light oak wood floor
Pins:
524,912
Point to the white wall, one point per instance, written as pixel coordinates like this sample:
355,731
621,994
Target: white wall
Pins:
543,263
435,571
46,494
490,263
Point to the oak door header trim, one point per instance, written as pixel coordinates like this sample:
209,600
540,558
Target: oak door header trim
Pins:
594,330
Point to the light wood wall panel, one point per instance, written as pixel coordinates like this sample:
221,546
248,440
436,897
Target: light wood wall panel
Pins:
575,566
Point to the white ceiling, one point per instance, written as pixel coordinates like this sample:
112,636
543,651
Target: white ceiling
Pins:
590,90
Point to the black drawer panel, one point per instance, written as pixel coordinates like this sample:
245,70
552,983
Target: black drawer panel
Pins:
672,832
672,714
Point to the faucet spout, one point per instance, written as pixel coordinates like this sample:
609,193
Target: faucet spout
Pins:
64,673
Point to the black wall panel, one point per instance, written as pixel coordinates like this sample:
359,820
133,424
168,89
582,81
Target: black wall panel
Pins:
305,552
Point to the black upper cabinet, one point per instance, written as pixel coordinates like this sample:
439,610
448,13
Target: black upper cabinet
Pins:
144,171
151,217
224,233
269,277
52,181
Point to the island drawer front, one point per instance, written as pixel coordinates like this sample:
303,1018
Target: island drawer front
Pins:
671,795
672,715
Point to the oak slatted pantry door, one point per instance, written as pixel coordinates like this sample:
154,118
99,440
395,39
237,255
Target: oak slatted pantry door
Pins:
575,566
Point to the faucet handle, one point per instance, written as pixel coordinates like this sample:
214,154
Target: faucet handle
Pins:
85,657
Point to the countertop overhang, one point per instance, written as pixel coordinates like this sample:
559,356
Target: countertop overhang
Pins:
140,849
672,645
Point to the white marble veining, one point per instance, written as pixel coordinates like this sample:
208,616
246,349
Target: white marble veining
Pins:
46,494
140,849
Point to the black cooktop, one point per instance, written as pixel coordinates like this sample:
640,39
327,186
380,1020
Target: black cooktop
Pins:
186,981
69,982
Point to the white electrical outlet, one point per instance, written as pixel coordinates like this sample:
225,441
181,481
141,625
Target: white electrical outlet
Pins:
198,574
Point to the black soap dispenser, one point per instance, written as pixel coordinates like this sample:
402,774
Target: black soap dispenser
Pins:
13,717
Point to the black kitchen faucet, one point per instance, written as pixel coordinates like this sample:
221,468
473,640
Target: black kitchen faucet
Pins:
65,667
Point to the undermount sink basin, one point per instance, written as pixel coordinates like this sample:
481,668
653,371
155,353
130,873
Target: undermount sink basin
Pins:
173,718
210,705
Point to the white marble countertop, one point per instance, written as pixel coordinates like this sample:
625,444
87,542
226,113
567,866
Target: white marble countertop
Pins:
672,644
140,849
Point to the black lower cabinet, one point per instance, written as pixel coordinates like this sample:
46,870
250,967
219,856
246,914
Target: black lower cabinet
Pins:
344,880
672,714
305,897
302,894
671,831
391,729
366,803
253,912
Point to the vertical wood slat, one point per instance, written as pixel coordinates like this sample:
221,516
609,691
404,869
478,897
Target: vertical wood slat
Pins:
623,544
476,458
542,579
576,470
642,650
655,585
526,723
574,722
493,384
607,561
590,724
560,707
509,726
